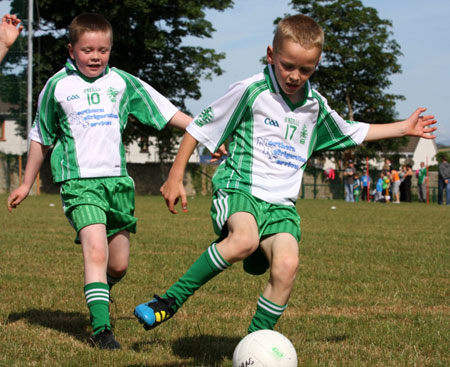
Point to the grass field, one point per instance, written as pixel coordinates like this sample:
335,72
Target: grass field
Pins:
373,289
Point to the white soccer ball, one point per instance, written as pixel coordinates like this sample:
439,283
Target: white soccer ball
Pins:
265,348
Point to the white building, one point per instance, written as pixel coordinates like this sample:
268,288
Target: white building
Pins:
10,143
146,152
419,150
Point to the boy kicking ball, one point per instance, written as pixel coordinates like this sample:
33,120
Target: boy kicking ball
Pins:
274,121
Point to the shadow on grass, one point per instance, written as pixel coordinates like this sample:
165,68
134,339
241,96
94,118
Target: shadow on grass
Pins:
73,323
204,350
337,338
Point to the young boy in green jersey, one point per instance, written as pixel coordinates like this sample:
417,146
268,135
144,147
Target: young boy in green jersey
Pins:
82,111
274,121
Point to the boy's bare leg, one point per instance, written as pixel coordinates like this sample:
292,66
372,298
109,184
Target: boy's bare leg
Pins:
119,253
282,251
242,239
95,252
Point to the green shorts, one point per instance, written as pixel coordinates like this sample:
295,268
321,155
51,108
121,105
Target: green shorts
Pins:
270,219
106,200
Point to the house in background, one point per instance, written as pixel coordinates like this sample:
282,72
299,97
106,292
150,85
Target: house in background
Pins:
419,150
145,151
10,143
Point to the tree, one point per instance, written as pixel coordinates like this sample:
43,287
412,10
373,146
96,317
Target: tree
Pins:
148,43
358,58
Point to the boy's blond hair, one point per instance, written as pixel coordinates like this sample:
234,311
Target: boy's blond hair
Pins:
300,29
88,22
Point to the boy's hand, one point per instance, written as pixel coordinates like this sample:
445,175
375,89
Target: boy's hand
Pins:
420,125
10,29
222,151
172,190
16,197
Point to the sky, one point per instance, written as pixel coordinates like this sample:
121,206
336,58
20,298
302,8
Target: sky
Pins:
421,28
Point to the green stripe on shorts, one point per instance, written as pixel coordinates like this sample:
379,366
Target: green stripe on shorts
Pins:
270,218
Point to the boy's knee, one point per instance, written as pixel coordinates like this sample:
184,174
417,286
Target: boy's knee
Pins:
96,253
285,267
117,270
98,257
244,244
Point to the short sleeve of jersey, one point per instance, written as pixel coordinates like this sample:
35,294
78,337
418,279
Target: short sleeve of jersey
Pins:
334,133
215,124
45,124
145,103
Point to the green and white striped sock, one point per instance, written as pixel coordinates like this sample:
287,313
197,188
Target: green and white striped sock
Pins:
207,266
266,316
97,299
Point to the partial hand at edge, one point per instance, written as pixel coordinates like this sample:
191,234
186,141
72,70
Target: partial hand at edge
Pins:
172,191
221,152
16,197
421,126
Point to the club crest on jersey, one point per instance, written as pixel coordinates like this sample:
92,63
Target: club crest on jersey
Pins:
205,117
270,122
303,134
112,94
75,118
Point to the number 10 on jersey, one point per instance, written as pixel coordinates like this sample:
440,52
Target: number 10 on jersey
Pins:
93,98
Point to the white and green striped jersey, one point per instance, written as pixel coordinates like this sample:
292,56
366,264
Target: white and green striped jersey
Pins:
270,139
84,119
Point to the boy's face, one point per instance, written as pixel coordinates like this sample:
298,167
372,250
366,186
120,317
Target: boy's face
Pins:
293,65
91,52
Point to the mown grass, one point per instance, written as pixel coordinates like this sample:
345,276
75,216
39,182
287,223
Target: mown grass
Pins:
372,289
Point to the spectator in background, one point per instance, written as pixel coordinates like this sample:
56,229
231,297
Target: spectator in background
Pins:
386,184
395,182
378,194
422,182
329,174
407,182
444,180
10,29
402,174
365,187
356,187
349,174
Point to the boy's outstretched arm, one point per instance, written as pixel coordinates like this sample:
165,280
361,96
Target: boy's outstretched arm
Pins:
180,120
414,125
173,188
36,156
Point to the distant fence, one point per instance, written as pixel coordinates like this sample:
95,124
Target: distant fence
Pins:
150,176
